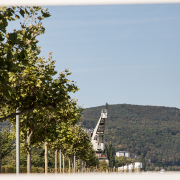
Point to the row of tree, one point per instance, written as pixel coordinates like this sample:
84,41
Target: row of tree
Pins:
48,115
87,155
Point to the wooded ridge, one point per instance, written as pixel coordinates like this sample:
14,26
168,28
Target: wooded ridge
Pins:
152,130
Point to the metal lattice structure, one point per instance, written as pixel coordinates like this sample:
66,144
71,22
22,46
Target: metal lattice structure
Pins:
97,137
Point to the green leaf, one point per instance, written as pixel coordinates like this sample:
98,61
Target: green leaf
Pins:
7,94
22,12
17,17
1,37
25,62
9,55
6,77
12,37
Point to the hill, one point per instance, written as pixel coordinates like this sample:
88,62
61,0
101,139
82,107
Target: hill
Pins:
152,130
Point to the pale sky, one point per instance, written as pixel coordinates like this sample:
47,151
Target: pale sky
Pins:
117,53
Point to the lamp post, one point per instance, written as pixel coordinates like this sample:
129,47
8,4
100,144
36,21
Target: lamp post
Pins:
17,144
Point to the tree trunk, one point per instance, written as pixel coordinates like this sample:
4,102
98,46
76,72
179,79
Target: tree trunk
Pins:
63,162
60,159
46,157
69,165
76,166
82,166
29,134
56,155
72,165
85,164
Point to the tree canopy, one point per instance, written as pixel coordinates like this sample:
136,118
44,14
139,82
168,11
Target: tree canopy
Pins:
27,84
22,71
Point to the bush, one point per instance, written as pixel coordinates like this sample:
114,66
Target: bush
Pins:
23,170
40,170
8,169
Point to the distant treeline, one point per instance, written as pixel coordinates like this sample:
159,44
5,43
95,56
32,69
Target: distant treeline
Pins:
151,130
4,124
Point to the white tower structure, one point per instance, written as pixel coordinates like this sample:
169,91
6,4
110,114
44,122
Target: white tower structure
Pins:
97,137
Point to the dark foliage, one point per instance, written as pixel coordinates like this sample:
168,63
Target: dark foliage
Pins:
109,150
143,162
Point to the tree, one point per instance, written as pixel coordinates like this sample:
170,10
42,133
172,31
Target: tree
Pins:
7,143
26,83
120,161
65,135
18,50
143,162
103,165
45,126
72,140
110,155
106,151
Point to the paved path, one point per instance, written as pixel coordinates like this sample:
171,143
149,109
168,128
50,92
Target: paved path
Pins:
95,176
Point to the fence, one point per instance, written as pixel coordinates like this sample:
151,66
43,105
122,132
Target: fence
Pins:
12,169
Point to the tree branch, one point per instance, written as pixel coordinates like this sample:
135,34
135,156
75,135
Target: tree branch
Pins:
22,112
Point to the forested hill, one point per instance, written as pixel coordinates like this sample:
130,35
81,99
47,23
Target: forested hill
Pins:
152,130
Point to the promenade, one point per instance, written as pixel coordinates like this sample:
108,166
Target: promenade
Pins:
95,176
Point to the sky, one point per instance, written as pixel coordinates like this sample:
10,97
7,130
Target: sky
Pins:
117,53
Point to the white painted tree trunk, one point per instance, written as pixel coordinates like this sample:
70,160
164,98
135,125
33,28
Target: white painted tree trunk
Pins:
46,157
29,134
60,160
56,155
72,165
63,162
69,165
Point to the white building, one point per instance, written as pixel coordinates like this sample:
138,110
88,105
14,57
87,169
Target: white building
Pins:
138,165
125,167
131,167
123,153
